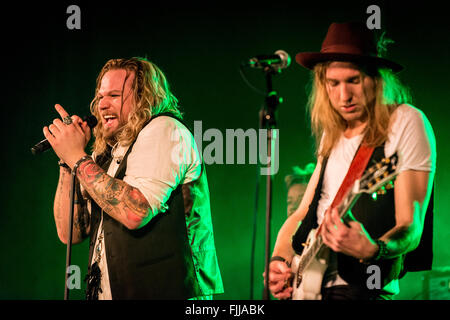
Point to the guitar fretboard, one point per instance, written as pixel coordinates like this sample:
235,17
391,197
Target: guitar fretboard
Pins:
317,245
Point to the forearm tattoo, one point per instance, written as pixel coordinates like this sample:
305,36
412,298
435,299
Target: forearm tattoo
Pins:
117,198
81,216
82,219
57,205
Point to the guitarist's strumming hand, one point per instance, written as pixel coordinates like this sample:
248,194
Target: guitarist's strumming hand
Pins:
351,239
279,280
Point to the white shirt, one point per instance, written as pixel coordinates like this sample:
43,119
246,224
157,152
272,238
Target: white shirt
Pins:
411,135
163,156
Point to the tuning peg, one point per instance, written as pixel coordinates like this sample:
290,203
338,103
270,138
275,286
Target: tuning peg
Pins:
382,191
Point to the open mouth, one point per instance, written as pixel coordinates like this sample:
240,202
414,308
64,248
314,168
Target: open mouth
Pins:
109,120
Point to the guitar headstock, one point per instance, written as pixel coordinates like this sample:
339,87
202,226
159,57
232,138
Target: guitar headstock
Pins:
379,175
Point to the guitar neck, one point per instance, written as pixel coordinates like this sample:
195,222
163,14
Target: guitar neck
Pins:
376,177
347,204
343,208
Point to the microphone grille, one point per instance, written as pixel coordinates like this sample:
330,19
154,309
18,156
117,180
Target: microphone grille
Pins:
91,121
285,58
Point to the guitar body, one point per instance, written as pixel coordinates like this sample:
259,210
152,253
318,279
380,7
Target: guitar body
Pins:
310,266
308,278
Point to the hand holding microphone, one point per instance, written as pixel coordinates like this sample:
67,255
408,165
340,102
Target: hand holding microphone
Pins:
67,137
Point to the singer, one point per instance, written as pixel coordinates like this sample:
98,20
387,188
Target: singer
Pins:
148,217
358,103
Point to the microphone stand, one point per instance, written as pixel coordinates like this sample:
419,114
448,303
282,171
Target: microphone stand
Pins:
69,239
268,121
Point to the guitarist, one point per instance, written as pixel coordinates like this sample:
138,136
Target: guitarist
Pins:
357,99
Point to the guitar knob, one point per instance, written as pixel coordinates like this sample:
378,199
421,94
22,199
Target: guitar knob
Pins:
390,185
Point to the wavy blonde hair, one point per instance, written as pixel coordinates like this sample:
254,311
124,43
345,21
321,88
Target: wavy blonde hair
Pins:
151,96
327,124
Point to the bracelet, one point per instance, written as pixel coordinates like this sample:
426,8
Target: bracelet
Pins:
63,164
277,258
77,164
380,254
382,250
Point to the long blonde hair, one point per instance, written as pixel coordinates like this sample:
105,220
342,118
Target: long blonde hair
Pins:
151,95
327,124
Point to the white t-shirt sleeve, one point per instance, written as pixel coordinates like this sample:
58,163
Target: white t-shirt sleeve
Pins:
164,156
413,138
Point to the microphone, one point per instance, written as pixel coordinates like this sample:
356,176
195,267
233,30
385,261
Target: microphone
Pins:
44,145
280,60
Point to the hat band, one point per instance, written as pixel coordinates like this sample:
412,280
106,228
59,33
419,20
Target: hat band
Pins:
346,49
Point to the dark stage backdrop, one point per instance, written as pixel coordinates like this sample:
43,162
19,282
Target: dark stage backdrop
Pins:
200,48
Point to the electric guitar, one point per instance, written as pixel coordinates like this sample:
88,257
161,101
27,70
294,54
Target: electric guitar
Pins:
310,266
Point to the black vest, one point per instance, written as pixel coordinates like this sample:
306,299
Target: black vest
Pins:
155,261
377,218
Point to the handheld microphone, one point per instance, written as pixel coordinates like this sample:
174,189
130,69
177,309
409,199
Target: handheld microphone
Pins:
279,60
44,145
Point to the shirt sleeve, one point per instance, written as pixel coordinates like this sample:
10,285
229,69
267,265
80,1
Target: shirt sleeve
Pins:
414,139
165,155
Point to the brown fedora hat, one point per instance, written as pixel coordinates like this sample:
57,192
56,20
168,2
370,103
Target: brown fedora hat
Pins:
350,41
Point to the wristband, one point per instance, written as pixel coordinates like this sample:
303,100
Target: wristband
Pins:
63,164
278,258
382,250
380,254
77,164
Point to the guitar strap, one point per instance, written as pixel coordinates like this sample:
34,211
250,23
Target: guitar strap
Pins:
354,172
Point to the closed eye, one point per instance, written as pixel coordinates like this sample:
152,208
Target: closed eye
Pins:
333,83
355,80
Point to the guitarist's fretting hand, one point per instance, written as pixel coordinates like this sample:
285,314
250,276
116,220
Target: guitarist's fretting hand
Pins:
352,240
279,276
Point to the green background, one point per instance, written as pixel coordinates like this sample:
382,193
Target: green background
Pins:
200,48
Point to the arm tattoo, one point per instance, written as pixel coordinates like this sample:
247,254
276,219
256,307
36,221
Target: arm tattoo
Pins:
81,222
121,201
82,219
57,205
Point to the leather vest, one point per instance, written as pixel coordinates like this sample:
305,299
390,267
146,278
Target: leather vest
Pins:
377,218
167,258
